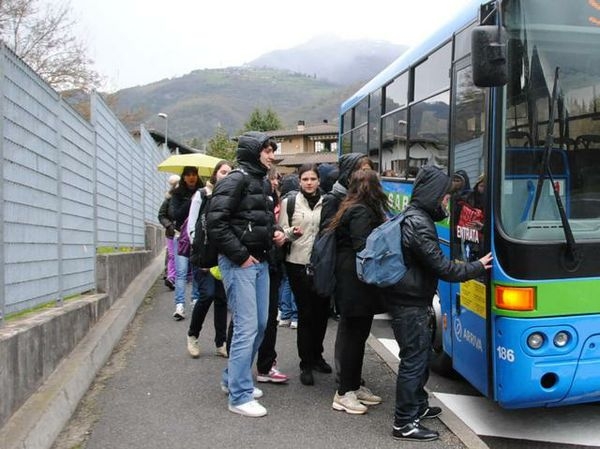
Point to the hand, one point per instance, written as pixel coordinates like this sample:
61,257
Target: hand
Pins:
486,261
297,231
170,231
249,262
279,238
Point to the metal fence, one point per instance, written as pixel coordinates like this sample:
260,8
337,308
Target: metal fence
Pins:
68,187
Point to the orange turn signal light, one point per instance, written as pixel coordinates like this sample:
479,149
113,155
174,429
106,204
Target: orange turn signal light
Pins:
515,298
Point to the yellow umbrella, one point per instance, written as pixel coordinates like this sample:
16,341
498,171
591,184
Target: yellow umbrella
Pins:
175,163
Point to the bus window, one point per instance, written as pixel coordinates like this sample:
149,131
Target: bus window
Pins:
393,142
361,112
359,140
374,124
428,136
396,93
433,75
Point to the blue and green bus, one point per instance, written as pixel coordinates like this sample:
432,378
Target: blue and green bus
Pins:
508,93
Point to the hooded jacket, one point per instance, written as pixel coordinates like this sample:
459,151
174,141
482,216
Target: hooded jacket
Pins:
240,218
333,199
423,256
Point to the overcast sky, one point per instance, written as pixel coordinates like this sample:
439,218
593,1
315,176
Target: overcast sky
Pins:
136,42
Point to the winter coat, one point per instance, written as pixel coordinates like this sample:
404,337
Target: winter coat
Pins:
308,220
179,206
354,297
423,256
164,218
240,217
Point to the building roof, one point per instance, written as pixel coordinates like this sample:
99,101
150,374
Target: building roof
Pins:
308,130
298,159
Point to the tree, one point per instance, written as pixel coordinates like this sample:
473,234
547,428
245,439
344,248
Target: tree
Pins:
269,121
43,37
221,146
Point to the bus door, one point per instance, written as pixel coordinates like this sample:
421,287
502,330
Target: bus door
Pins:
467,306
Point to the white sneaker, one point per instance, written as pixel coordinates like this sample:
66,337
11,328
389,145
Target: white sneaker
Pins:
285,323
294,325
252,409
193,347
257,393
221,351
348,403
366,396
179,313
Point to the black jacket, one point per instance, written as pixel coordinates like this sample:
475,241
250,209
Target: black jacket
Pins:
179,205
240,218
354,297
425,261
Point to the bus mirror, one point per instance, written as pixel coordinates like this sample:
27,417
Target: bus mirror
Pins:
488,54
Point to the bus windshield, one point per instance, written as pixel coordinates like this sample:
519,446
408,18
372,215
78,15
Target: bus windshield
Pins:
551,156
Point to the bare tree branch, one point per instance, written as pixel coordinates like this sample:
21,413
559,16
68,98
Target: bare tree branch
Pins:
44,39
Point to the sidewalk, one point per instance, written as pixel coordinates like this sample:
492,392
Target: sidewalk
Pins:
151,394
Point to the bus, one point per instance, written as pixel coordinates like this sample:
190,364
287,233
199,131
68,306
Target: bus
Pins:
506,93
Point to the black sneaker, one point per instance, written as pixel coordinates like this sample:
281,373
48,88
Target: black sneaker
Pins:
414,432
430,412
322,367
306,377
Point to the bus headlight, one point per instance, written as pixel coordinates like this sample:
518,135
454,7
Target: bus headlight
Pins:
561,339
535,340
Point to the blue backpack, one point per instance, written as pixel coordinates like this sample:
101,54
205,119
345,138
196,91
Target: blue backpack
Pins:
381,262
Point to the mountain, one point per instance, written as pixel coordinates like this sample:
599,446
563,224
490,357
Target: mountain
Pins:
347,61
294,83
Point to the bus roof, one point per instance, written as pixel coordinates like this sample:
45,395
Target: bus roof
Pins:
463,17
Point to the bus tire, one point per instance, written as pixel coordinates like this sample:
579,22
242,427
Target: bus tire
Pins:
439,361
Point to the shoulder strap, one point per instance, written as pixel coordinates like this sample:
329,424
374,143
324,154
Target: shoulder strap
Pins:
291,205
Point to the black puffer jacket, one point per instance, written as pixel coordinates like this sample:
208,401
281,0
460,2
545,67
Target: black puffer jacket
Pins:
425,261
240,218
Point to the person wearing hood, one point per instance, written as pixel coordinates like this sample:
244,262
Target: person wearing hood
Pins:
408,301
347,165
241,222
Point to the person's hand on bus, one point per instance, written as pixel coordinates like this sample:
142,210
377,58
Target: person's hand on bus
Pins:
475,225
486,261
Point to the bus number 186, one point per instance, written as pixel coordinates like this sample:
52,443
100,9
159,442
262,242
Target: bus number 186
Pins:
505,354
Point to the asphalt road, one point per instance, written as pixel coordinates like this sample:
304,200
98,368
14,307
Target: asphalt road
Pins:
151,394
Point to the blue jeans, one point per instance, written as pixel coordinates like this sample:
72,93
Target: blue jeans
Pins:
413,333
247,291
182,266
287,302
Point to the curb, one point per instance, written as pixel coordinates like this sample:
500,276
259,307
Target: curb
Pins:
42,417
463,432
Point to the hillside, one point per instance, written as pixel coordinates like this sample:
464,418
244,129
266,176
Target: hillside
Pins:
294,83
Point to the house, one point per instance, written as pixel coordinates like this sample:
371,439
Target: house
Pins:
306,144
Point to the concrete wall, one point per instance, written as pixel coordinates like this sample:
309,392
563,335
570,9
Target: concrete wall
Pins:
31,348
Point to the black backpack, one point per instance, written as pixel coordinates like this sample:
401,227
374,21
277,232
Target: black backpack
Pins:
203,254
322,263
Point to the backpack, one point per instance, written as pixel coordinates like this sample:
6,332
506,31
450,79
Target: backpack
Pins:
381,262
203,254
322,263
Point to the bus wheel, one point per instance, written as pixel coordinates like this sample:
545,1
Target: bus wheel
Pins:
439,361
